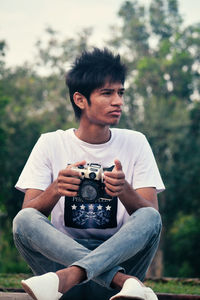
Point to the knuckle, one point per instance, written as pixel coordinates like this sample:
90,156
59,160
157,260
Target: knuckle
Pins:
59,181
60,191
61,172
59,185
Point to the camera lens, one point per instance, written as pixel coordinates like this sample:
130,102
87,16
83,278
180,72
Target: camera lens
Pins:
89,190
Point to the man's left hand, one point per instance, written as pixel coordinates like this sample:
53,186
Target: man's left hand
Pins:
115,180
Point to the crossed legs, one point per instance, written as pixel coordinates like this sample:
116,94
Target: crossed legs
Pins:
47,249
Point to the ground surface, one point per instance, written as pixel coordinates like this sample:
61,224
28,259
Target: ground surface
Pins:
10,284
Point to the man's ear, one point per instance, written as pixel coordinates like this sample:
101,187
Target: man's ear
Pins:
79,100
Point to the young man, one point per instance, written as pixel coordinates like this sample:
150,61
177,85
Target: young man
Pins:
103,231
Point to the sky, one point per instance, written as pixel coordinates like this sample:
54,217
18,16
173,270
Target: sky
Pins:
23,22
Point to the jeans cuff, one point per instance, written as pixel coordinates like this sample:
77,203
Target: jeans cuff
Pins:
106,278
103,279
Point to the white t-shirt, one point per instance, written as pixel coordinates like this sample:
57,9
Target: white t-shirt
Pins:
54,150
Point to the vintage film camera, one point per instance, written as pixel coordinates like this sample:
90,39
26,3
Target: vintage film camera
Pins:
92,186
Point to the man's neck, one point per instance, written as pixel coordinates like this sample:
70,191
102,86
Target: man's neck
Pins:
94,134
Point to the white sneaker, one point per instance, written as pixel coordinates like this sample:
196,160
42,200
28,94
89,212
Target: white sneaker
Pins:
132,289
149,294
43,287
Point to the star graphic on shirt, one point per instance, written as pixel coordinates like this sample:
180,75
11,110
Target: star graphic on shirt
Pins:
74,207
82,207
91,206
99,207
108,207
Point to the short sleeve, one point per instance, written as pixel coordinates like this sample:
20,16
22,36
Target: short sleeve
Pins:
37,172
146,173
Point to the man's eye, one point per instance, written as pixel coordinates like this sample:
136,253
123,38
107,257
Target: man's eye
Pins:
107,93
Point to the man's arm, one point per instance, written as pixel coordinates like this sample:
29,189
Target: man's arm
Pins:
116,185
67,184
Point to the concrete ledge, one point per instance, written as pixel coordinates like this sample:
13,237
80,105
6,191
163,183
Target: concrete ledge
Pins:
24,296
14,296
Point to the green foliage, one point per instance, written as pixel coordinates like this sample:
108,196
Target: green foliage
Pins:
30,104
12,281
162,100
164,18
55,55
10,261
185,244
175,286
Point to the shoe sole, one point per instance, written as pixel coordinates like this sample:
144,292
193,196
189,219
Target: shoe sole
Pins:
29,291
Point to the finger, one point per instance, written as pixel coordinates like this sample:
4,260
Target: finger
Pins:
80,163
117,175
118,165
68,187
68,193
114,188
69,180
114,181
76,165
68,173
111,193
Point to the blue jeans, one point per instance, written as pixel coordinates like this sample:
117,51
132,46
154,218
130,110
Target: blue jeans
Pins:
130,250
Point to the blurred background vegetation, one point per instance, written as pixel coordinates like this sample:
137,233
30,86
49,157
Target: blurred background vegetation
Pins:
162,100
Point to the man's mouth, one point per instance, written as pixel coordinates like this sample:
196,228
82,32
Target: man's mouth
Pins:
116,112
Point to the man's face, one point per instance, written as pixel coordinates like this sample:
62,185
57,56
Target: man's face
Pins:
106,105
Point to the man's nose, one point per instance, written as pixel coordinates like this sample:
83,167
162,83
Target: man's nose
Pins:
118,100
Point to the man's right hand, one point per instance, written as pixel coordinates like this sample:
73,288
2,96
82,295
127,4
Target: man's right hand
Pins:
68,180
66,184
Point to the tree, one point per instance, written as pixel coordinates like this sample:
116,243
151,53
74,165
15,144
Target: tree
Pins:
30,104
162,101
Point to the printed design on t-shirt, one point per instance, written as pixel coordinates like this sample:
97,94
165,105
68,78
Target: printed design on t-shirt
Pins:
98,213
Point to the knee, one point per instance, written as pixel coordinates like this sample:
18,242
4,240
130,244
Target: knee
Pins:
153,218
23,220
150,218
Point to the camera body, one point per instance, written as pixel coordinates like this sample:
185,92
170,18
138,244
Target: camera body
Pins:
92,187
